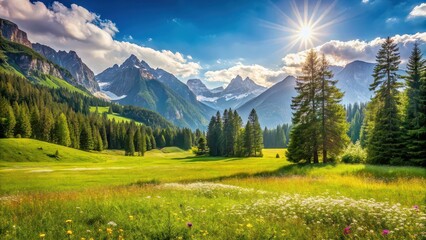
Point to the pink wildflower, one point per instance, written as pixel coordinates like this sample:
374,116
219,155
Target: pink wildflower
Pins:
347,230
385,232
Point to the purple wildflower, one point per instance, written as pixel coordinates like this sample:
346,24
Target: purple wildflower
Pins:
347,230
385,232
189,224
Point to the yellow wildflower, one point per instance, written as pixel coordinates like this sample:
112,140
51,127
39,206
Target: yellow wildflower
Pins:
109,230
42,235
249,225
69,232
68,221
131,218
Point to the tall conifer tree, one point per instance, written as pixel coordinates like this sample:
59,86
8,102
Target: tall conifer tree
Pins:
384,142
415,122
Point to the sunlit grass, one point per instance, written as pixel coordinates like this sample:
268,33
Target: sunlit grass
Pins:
232,198
112,116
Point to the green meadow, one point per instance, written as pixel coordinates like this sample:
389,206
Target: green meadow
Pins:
116,116
173,194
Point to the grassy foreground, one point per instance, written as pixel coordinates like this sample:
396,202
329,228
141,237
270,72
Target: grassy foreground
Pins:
170,194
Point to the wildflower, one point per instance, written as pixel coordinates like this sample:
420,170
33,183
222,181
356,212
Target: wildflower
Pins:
69,232
347,230
249,225
131,218
189,224
82,238
111,223
68,221
385,232
109,230
42,235
416,207
121,230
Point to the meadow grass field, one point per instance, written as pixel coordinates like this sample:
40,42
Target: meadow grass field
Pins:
116,116
172,194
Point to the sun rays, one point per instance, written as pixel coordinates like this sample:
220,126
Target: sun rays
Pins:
306,26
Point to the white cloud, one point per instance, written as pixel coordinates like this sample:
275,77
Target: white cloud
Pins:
128,38
392,20
418,11
257,73
340,53
78,29
365,1
149,39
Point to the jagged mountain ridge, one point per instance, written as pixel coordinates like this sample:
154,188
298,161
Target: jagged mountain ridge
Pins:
73,63
237,93
155,89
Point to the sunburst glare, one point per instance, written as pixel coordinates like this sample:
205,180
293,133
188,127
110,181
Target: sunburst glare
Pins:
306,26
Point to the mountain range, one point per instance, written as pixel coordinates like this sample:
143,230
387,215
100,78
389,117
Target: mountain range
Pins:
134,82
237,93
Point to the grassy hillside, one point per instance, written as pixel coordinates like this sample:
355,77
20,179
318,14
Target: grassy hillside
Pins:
115,116
107,195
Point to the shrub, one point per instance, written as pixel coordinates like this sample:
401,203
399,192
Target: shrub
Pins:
277,156
354,154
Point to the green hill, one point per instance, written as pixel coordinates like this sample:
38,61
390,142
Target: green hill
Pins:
30,150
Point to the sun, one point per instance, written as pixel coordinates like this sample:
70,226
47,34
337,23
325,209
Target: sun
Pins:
305,33
307,25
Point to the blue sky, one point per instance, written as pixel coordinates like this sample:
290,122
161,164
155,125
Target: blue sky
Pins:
231,30
205,37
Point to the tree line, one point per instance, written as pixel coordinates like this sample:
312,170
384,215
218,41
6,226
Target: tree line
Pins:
63,117
391,127
276,137
226,135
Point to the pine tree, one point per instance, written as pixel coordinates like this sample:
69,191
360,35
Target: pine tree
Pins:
46,124
143,141
256,134
215,136
86,138
104,137
62,133
23,124
332,114
202,145
7,119
248,140
355,127
129,146
35,122
384,142
415,121
138,141
187,139
305,118
99,146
